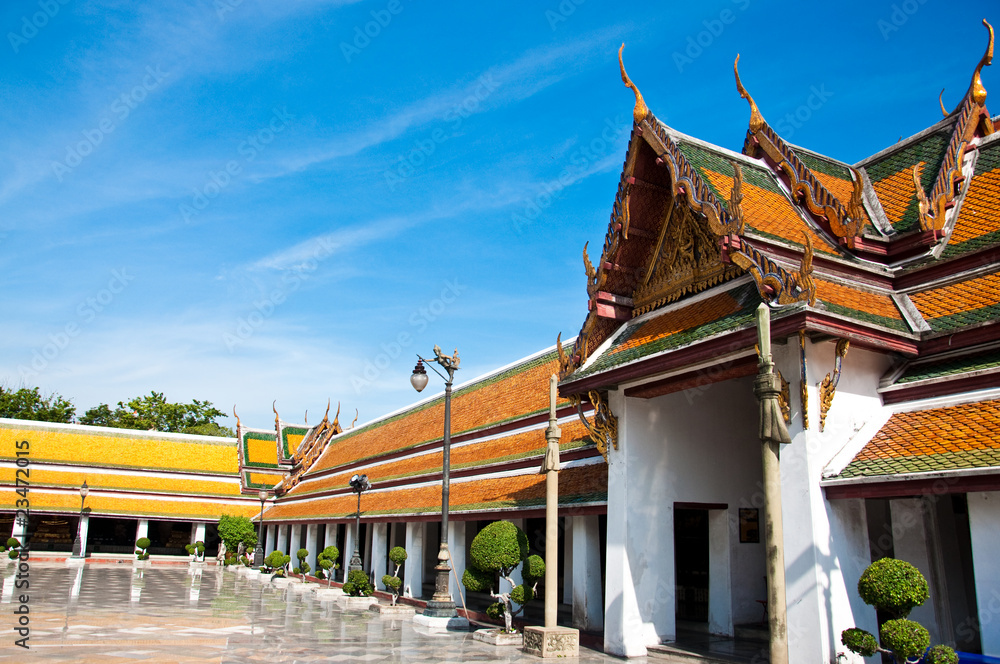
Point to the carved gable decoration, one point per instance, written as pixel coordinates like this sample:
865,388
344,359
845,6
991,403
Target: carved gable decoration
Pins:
686,259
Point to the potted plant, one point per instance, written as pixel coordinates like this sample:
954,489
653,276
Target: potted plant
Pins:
498,549
141,555
358,584
12,549
327,561
896,587
276,562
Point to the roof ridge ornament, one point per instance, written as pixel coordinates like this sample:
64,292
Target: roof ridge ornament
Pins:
756,119
976,87
944,111
736,197
237,420
640,111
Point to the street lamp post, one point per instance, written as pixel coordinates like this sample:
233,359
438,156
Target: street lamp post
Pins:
359,483
78,547
258,554
441,604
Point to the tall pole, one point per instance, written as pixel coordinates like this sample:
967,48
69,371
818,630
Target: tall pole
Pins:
78,544
258,554
441,604
551,470
356,558
773,433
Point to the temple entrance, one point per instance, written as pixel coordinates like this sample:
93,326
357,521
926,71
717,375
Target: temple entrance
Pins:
691,561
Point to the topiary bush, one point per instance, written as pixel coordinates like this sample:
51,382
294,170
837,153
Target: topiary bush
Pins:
358,584
393,583
141,545
276,562
327,560
12,548
896,587
303,567
498,549
197,549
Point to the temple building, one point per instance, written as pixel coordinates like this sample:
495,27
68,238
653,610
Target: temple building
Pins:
882,279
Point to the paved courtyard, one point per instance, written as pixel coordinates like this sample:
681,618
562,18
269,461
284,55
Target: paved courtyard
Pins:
112,613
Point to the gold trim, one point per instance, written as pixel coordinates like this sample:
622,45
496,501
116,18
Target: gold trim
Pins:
977,89
829,385
944,112
604,429
736,197
803,385
640,111
756,119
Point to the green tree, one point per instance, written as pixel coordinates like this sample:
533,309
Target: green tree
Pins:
234,530
393,583
327,560
154,412
896,587
498,549
303,567
29,404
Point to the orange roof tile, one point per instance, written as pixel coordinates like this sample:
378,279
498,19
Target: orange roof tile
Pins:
878,304
490,492
959,298
700,313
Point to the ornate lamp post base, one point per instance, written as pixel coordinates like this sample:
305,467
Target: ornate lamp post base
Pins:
355,561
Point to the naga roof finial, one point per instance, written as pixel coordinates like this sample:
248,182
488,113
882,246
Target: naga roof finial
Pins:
977,89
756,119
327,413
640,111
944,112
277,419
237,419
356,414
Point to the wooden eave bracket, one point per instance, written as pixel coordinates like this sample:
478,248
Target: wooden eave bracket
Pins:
609,305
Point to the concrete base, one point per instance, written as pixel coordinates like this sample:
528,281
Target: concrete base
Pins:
264,577
348,603
398,611
498,637
75,562
140,563
300,587
432,624
280,581
328,594
197,563
552,641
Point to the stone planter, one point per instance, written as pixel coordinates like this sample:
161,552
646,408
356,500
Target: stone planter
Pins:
328,594
498,637
299,587
264,577
197,563
348,603
280,581
398,611
552,641
140,563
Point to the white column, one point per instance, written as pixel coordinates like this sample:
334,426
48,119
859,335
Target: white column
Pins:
588,611
910,543
345,555
367,562
199,533
413,571
625,630
456,547
984,528
84,525
19,529
282,538
516,576
141,529
293,543
312,534
720,599
272,538
380,543
566,566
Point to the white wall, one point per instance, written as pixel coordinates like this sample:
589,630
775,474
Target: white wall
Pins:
826,543
984,527
697,446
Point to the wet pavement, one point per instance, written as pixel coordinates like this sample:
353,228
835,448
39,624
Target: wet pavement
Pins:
114,613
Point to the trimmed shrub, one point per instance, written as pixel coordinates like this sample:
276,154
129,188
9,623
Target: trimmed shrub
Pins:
894,586
941,655
905,638
327,561
358,584
141,545
859,641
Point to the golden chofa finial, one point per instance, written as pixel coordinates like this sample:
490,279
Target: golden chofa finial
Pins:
978,91
237,418
641,110
756,119
944,111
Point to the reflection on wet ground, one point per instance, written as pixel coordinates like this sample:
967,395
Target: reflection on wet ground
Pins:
114,613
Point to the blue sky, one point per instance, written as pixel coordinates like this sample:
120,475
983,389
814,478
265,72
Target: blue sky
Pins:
246,201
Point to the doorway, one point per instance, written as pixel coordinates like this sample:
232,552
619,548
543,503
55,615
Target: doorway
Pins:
691,560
